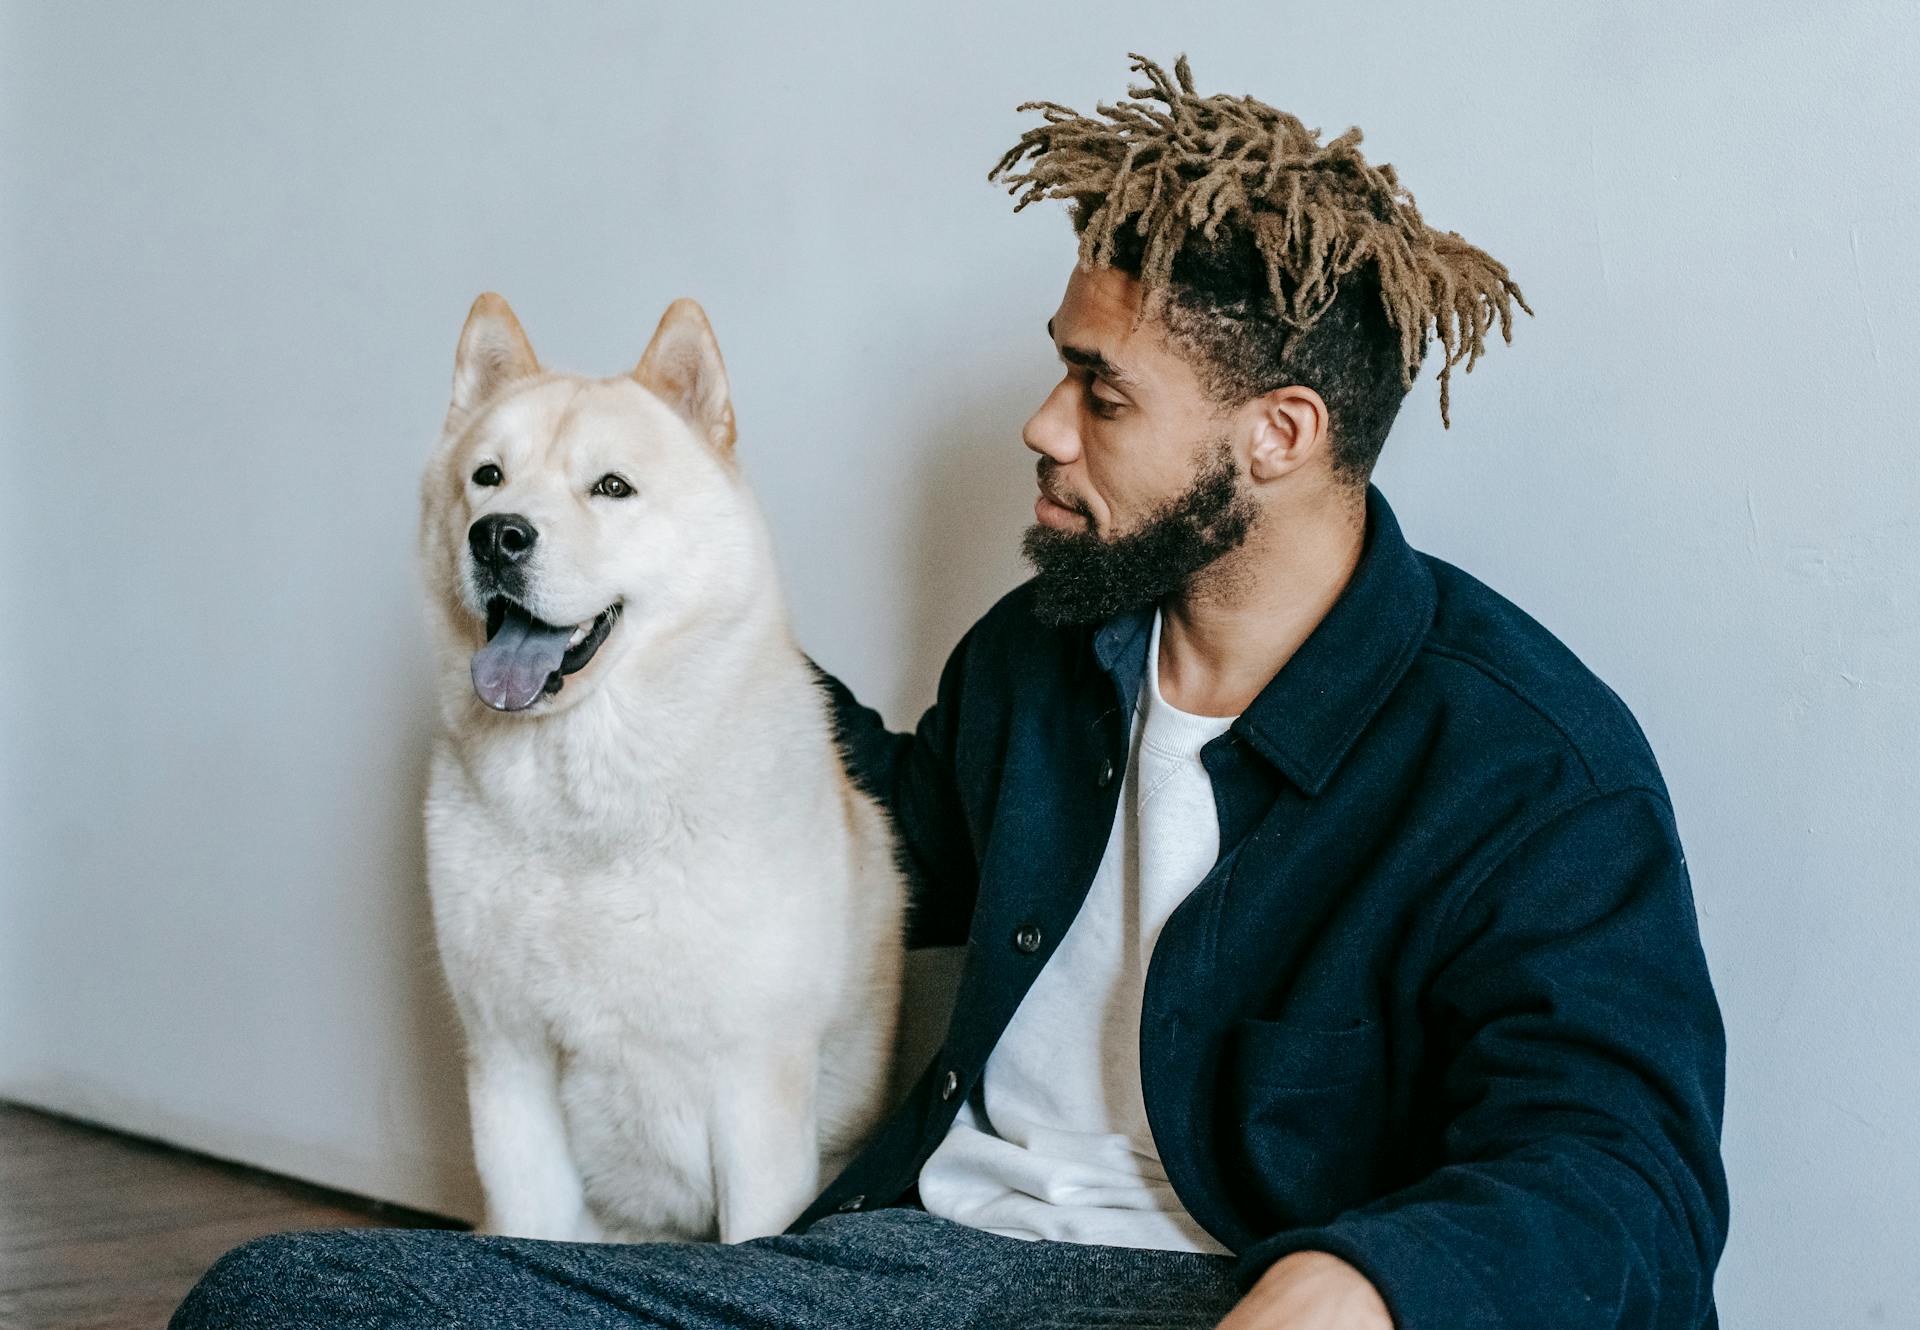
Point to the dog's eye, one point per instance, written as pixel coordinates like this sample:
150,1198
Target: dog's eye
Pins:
612,487
487,475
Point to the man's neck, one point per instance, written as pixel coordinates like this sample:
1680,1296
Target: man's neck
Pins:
1227,635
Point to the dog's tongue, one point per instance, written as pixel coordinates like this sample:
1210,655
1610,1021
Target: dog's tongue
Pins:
510,671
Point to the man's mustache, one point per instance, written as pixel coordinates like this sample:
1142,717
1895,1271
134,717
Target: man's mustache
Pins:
1043,475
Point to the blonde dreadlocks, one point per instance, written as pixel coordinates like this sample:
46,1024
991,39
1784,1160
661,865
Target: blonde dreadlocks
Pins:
1315,213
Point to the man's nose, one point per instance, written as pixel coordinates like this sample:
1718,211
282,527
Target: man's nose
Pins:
500,540
1050,431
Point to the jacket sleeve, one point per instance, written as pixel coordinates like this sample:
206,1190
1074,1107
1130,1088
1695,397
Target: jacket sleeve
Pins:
912,777
1580,1083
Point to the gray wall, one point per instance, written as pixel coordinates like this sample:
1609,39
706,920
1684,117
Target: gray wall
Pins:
236,245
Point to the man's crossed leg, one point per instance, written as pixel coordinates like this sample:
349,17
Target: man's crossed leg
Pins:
892,1267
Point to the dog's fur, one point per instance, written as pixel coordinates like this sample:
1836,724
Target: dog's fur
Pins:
671,926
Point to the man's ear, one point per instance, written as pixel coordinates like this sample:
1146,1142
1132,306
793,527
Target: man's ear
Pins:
682,367
493,352
1289,426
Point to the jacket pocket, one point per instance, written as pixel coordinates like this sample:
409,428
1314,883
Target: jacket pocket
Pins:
1306,1108
1281,1054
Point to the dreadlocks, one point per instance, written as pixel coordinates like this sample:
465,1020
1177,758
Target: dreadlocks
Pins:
1209,178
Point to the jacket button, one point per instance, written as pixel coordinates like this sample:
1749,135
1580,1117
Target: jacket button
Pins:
1105,778
1027,938
949,1085
851,1203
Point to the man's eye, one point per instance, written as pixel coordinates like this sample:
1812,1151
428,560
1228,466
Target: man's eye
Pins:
612,487
487,475
1101,406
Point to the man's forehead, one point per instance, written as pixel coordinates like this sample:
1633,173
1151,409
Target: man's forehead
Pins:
1093,327
1099,302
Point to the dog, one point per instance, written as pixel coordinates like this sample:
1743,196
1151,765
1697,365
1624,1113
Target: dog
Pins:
671,925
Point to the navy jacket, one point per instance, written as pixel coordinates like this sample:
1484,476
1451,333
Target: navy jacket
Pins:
1440,1007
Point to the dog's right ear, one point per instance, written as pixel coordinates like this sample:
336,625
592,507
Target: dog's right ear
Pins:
493,352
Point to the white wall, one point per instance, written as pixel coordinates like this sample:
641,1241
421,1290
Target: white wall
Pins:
236,245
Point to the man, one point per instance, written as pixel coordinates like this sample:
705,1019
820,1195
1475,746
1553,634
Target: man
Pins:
1331,959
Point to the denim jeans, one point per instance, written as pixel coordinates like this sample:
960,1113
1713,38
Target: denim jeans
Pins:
894,1267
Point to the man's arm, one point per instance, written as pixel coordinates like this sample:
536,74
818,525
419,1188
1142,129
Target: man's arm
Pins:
911,776
1583,1075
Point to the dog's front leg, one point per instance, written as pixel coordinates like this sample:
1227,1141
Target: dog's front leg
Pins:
766,1150
532,1185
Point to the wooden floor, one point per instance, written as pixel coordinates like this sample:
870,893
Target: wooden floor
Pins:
99,1230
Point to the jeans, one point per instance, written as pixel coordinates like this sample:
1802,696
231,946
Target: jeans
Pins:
894,1267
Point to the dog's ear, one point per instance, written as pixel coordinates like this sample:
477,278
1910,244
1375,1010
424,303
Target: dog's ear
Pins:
682,366
493,352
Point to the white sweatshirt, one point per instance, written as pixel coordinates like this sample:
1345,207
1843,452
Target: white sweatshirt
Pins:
1054,1143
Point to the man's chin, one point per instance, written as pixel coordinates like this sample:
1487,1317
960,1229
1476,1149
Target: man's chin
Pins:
1074,579
1069,610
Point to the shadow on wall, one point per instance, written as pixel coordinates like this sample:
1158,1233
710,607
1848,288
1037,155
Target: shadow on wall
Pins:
976,501
431,1027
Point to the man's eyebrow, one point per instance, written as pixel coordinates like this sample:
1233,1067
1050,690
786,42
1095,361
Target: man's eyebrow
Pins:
1088,358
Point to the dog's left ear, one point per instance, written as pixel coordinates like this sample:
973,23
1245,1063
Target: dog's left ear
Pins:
682,367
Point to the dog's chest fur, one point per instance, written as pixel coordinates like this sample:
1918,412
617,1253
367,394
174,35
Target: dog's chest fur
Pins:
586,882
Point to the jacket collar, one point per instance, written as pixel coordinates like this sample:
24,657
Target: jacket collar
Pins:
1310,713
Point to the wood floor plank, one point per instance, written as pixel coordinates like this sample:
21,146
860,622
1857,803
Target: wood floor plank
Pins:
100,1231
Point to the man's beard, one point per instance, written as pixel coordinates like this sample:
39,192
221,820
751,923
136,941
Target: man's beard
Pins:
1085,578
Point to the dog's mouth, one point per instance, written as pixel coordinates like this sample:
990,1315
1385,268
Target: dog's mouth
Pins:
527,658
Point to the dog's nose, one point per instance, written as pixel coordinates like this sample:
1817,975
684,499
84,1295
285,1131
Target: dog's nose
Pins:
501,539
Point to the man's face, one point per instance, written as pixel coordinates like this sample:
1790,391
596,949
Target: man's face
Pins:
1140,483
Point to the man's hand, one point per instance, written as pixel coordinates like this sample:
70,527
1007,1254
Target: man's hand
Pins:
1310,1290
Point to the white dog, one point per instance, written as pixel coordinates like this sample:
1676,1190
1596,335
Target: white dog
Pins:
671,926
